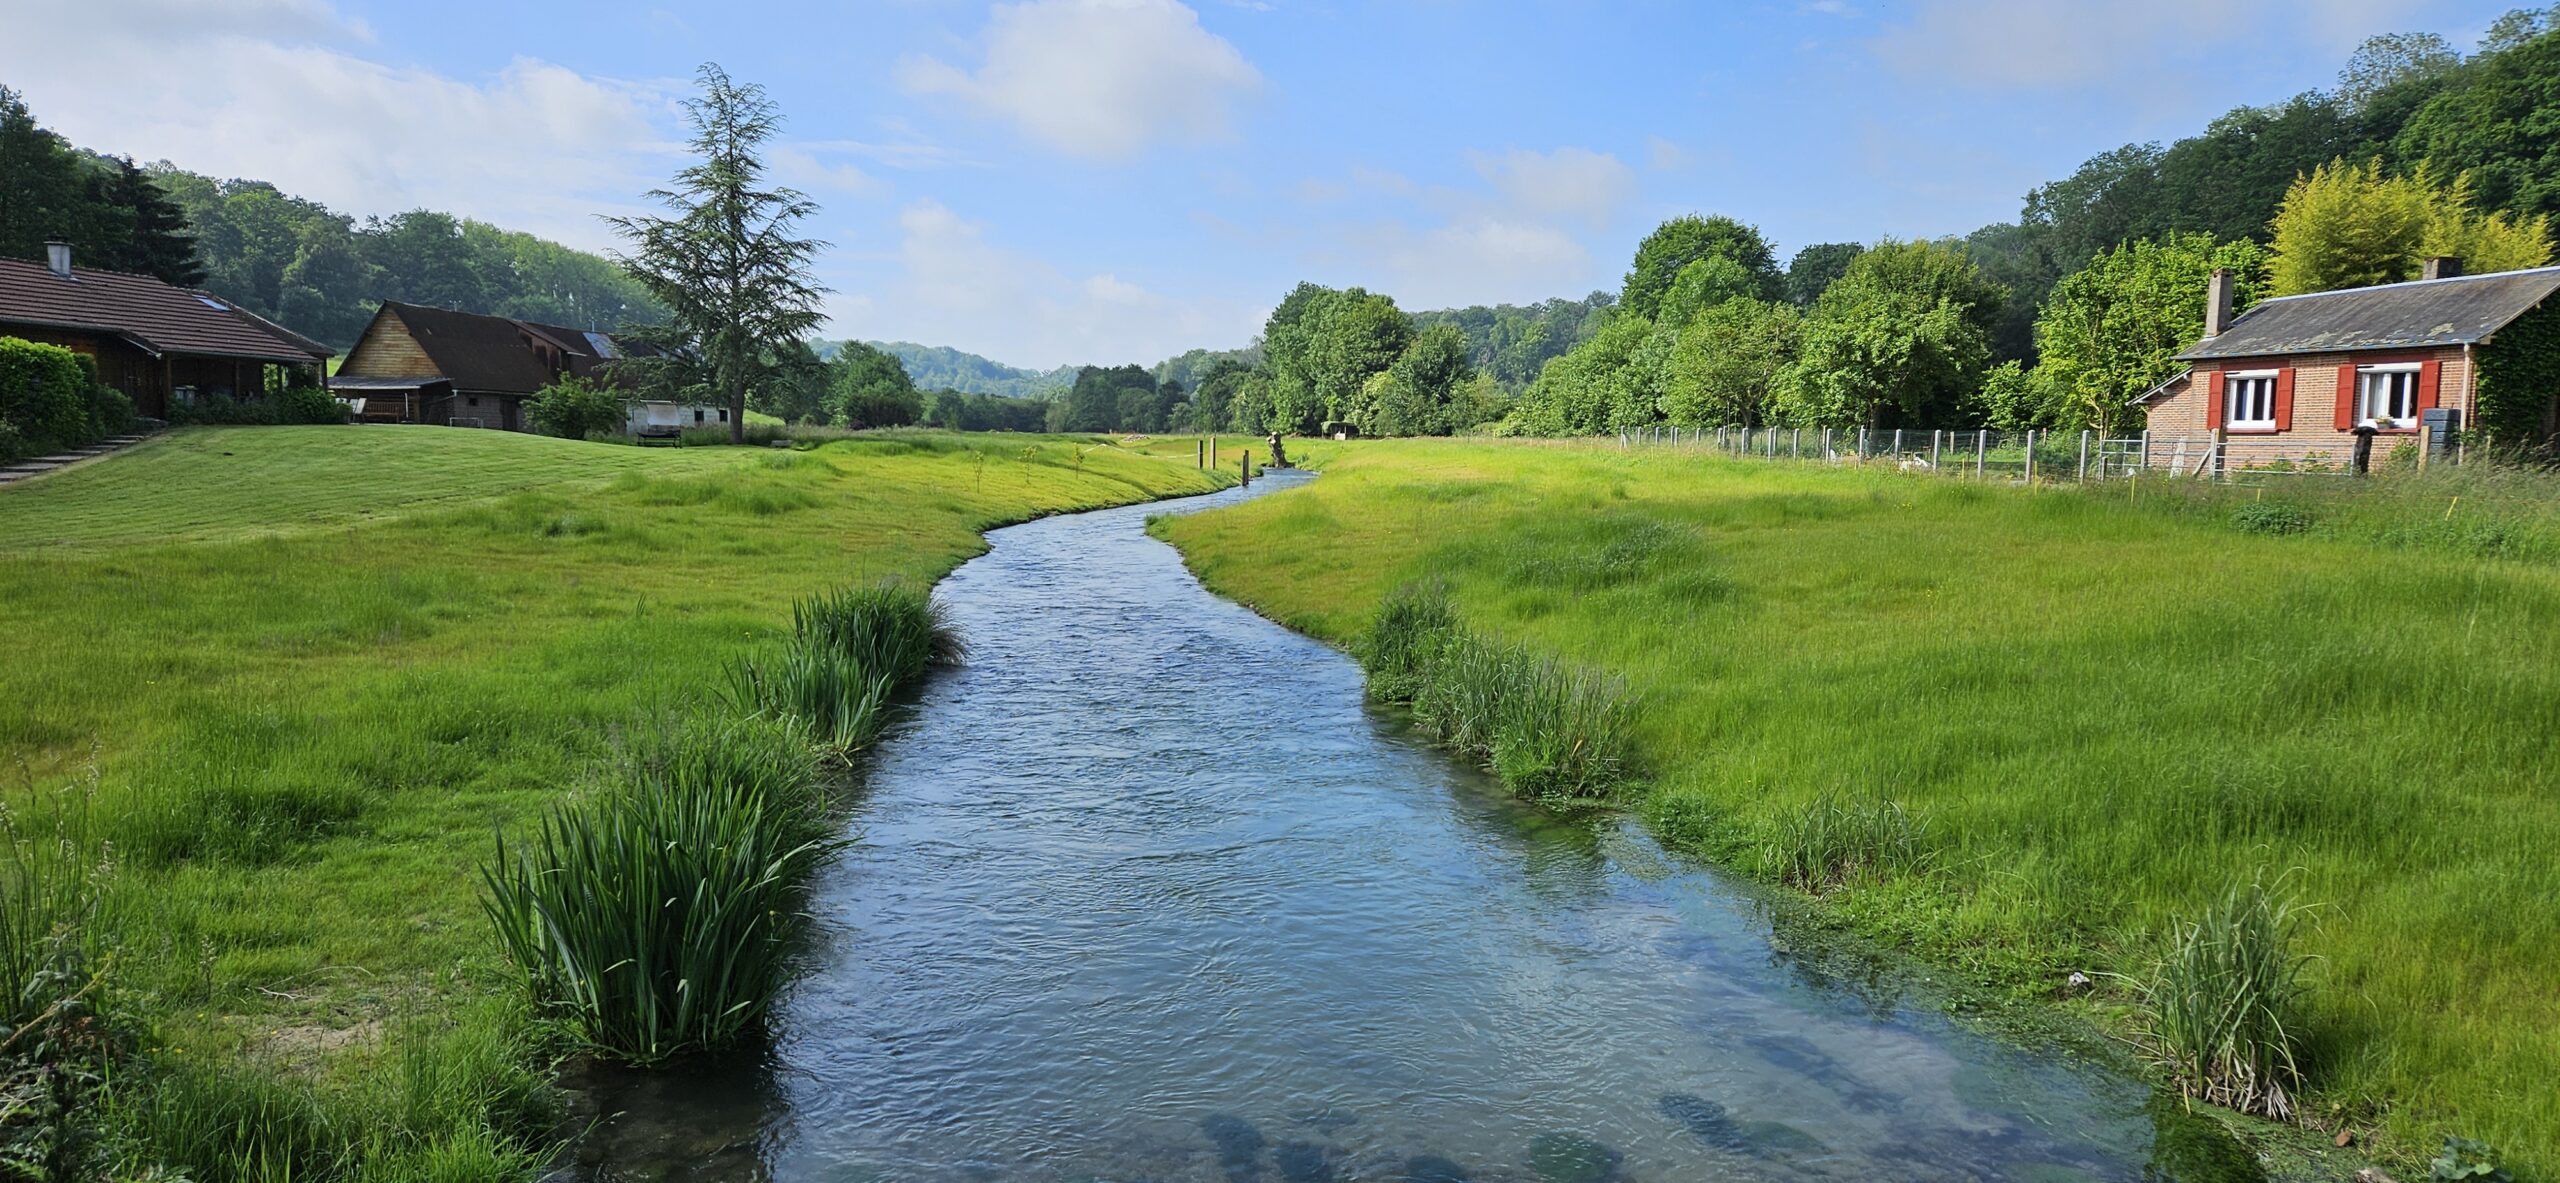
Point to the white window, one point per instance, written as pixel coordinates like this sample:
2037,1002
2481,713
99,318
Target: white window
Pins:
2387,396
2249,399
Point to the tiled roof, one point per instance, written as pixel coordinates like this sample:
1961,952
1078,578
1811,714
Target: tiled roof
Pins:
154,315
2464,310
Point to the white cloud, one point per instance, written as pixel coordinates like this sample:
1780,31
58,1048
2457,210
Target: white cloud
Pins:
954,286
1576,183
1482,259
1103,79
537,147
2085,44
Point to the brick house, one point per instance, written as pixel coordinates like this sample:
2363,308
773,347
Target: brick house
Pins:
158,343
416,364
2291,379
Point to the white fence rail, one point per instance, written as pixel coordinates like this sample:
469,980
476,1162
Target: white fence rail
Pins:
2052,456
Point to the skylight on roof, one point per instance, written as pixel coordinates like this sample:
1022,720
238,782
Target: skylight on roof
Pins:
212,303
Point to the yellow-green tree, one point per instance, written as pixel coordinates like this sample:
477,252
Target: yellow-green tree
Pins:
2349,226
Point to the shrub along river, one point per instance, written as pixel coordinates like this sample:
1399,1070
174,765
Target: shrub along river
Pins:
1144,892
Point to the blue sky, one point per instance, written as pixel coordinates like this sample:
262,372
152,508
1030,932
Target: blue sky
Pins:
1060,181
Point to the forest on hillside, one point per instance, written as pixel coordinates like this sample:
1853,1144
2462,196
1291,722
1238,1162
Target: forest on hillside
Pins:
295,261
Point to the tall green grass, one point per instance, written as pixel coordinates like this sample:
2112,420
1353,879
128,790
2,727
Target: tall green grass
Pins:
1549,730
1836,839
2224,1007
59,1039
658,917
2104,707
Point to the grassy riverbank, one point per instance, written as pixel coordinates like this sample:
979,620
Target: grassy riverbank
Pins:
2102,714
289,681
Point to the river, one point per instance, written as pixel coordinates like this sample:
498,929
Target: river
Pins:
1144,892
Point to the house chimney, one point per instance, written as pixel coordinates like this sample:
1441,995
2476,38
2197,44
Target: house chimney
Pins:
2442,267
57,258
2217,302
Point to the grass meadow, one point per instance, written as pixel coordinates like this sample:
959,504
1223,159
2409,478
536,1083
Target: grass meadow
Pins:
2038,731
277,689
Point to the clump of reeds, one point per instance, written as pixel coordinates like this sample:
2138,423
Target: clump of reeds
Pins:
657,916
58,1041
1832,840
849,651
1549,730
2224,1006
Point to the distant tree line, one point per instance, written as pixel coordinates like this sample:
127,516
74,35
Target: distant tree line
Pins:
2056,320
310,268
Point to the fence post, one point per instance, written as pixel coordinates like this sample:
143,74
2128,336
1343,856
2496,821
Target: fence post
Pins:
1981,452
1862,444
1244,471
1199,453
2084,456
1933,449
2146,447
2031,457
2221,454
1795,445
1772,438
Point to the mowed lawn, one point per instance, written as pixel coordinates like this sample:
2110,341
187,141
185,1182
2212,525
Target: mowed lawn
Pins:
2107,712
297,678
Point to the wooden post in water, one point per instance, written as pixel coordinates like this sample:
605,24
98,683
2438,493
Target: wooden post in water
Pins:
1244,471
1213,451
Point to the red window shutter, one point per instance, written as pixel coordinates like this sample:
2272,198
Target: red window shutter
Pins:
2284,399
2346,398
2210,383
2429,371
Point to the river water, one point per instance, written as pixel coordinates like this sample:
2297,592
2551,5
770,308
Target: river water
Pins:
1144,892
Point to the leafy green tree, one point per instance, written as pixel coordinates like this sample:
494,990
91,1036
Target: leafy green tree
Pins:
1510,343
1901,339
1213,398
1684,240
728,266
2110,330
2015,398
1418,394
1113,398
869,388
2394,59
1702,285
575,408
1574,393
41,197
2499,121
2517,27
1727,359
424,261
1322,346
1250,407
2345,226
797,387
1815,267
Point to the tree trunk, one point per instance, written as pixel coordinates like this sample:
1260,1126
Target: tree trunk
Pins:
737,411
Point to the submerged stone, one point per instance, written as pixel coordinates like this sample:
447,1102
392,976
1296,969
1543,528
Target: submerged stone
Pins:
1705,1120
1572,1158
2188,1147
1431,1168
1239,1145
1304,1162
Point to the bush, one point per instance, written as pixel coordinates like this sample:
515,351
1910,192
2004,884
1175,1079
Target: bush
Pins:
286,407
657,918
46,393
1548,730
575,408
2224,1007
2270,517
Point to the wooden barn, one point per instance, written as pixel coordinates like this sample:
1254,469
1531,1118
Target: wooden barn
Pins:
157,343
416,364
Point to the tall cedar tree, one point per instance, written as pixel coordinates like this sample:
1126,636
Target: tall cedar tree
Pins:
734,278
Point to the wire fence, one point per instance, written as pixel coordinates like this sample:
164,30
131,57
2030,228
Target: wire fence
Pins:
2055,456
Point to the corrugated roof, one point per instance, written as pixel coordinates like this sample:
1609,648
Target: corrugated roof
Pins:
152,314
2464,310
